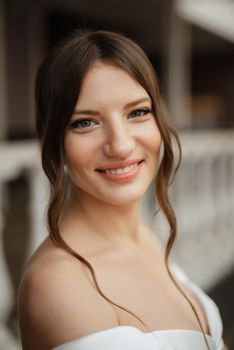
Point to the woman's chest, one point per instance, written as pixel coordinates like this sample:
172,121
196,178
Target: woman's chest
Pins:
142,286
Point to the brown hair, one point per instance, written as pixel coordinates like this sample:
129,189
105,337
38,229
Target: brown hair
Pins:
58,83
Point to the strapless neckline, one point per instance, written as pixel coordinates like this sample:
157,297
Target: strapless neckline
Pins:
163,339
154,331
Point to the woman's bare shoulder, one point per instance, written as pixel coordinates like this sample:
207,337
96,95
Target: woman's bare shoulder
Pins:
48,267
54,299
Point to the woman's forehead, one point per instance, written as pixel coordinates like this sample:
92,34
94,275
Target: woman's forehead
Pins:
105,83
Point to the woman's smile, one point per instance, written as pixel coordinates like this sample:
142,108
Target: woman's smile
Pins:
121,173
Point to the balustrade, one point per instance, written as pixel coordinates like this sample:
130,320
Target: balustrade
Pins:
203,198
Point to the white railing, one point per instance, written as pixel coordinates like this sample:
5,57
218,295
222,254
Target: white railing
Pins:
16,157
203,196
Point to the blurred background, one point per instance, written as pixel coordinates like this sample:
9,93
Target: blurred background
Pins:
191,45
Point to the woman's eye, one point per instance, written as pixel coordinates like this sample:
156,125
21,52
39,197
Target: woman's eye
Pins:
140,112
82,124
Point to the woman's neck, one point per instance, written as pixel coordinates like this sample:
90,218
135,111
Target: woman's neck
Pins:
91,222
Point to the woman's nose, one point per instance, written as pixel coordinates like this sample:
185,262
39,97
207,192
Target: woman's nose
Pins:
119,142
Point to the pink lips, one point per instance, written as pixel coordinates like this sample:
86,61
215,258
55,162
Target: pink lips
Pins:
121,172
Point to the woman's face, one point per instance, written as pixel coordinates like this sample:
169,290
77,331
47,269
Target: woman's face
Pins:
112,141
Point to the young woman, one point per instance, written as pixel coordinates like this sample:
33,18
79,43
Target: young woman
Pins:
102,280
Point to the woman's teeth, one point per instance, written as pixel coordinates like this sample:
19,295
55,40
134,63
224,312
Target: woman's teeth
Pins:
122,170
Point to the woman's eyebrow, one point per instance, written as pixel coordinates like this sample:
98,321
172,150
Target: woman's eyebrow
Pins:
130,104
86,111
136,102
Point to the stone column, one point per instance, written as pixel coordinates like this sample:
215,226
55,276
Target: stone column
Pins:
36,51
177,71
3,118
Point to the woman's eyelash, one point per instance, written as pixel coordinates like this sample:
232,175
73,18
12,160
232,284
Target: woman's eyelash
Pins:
82,123
140,112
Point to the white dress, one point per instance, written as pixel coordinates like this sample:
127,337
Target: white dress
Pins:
132,338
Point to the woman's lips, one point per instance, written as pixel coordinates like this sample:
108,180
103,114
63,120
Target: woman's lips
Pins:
119,165
121,172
